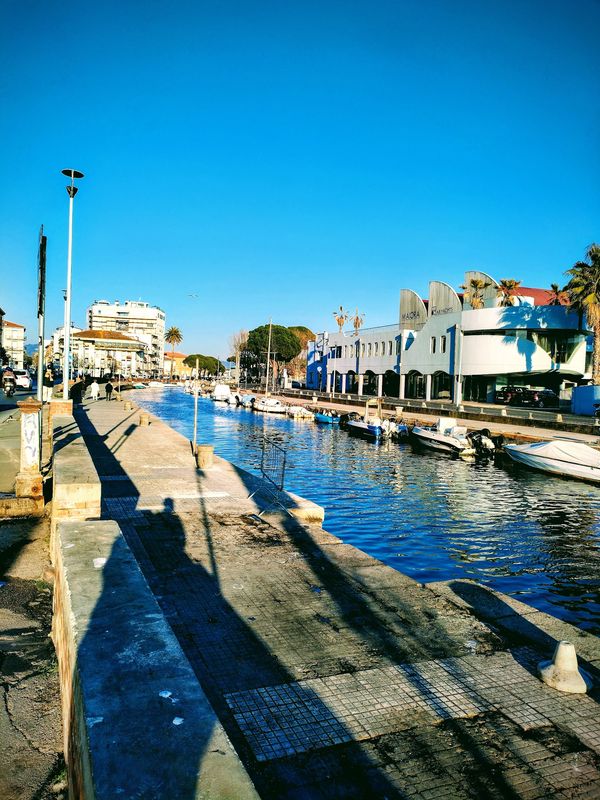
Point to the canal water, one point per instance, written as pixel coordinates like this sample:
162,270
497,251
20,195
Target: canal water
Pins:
428,515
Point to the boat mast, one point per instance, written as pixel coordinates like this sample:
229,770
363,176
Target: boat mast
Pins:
268,356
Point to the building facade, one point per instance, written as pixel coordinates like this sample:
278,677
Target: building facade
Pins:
179,369
450,347
12,339
56,346
135,319
98,353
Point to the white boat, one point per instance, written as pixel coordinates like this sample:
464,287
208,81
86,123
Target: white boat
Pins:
446,435
559,457
371,428
270,406
155,385
247,400
299,412
221,393
235,399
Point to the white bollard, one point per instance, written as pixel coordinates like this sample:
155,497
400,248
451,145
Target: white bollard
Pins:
563,672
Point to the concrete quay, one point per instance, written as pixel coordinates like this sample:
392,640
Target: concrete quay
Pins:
332,675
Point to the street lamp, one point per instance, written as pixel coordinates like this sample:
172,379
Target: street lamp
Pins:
72,191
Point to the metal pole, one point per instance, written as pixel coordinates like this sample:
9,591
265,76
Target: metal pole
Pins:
67,332
196,407
41,310
268,357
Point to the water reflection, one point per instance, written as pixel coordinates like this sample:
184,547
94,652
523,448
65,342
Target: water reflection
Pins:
433,517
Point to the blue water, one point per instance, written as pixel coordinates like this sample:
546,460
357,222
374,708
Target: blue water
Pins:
430,516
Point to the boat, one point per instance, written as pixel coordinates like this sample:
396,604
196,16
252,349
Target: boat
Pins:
270,406
235,399
155,385
299,412
247,400
139,385
327,417
221,393
371,427
559,457
446,435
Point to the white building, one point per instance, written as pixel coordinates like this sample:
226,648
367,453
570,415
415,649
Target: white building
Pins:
98,352
137,320
56,346
444,348
12,339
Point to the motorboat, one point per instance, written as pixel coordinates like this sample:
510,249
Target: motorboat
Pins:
559,457
139,385
371,427
327,417
299,412
270,405
247,400
221,393
446,435
235,399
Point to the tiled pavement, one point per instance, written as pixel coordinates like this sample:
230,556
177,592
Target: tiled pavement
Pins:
334,676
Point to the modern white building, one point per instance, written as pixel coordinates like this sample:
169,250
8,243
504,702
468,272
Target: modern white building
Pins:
98,352
12,339
447,347
136,319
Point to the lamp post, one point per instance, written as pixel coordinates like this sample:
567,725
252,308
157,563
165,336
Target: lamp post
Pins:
72,191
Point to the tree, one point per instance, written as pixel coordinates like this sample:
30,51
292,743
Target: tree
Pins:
507,290
3,356
237,343
284,342
357,321
341,317
557,296
173,336
583,292
206,364
473,291
297,365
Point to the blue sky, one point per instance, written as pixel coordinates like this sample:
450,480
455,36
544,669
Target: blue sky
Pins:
280,158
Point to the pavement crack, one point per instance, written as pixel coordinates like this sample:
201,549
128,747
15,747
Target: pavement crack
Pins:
5,690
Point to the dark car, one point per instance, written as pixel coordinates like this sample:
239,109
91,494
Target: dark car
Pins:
508,393
297,385
539,398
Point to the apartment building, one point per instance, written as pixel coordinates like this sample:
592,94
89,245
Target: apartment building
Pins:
136,319
12,339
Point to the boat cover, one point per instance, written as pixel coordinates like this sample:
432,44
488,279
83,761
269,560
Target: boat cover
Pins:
571,452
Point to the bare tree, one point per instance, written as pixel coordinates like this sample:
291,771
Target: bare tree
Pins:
237,343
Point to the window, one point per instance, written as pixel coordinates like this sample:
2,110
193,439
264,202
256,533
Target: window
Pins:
433,344
398,345
369,350
390,348
357,347
376,348
338,351
443,344
345,351
362,350
383,348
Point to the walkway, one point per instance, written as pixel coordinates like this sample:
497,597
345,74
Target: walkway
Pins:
334,675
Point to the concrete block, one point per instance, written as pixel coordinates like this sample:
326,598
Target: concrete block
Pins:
136,721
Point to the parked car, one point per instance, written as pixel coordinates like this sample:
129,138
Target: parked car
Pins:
297,385
507,393
540,398
23,379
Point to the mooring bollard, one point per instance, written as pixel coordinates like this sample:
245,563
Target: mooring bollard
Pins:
128,405
559,417
563,671
144,418
503,412
204,455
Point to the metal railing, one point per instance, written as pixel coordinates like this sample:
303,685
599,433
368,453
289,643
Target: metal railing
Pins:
272,463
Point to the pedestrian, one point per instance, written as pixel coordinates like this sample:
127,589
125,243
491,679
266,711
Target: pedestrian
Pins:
48,385
94,390
109,390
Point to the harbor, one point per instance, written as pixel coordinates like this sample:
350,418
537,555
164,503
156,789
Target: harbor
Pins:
328,672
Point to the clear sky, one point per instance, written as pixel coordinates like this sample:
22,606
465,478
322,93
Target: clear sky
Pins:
279,158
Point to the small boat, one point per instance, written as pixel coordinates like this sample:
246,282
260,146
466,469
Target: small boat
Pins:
559,457
247,400
446,435
299,412
371,427
139,385
270,406
155,385
327,417
221,393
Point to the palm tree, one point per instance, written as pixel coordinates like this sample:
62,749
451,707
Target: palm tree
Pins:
173,336
507,290
357,321
341,317
583,292
474,290
557,296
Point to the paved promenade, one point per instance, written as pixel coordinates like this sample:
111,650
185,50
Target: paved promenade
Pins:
334,675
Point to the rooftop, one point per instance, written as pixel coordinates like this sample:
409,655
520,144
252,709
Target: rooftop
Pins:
112,336
12,324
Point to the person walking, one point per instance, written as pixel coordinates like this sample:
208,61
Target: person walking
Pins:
109,390
94,390
48,385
